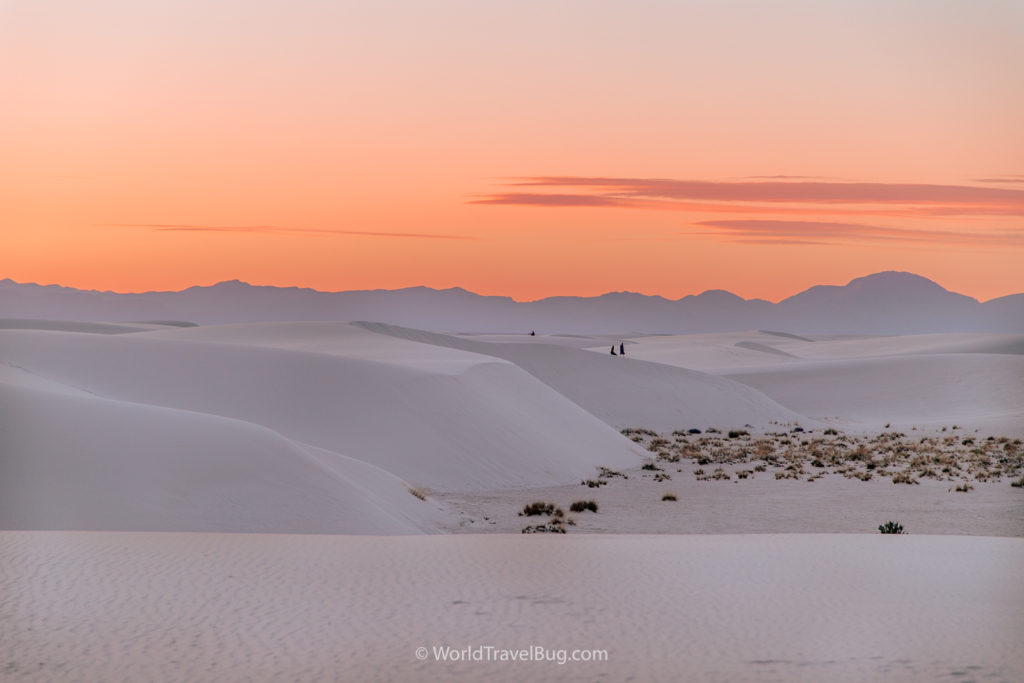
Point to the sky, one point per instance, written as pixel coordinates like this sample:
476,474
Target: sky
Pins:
526,149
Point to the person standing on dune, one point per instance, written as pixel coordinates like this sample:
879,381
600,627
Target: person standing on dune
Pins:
613,349
622,349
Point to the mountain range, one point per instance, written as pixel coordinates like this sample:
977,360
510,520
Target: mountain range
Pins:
883,303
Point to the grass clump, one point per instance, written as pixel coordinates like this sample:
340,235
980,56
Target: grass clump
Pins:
541,508
582,505
549,528
669,497
890,527
419,493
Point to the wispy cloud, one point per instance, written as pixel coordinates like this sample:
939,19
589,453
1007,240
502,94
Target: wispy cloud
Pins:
173,227
1002,179
824,232
774,196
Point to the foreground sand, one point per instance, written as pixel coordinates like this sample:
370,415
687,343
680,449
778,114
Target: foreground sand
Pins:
756,505
97,606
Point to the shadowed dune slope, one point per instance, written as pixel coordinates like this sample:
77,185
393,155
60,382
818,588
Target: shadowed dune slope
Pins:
435,417
71,460
624,392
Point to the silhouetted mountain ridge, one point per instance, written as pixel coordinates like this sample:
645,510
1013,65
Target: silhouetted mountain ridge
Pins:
889,302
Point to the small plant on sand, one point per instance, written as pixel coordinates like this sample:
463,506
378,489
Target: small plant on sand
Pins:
903,478
737,433
418,493
582,505
669,496
593,483
651,466
661,476
963,488
549,528
1019,483
890,528
606,473
541,508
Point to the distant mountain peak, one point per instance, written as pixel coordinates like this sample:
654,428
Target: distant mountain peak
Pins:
892,278
718,295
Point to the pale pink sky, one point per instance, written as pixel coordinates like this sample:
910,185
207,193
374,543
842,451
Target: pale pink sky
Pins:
519,148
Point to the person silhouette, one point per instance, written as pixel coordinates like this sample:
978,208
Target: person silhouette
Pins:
532,333
613,350
622,349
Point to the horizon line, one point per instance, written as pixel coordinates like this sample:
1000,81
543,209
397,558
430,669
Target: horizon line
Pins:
501,296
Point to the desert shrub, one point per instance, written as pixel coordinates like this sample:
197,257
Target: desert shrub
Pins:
1019,483
419,493
669,496
817,463
657,444
538,508
890,528
963,488
581,505
903,478
550,528
629,431
760,468
606,473
797,429
712,430
651,466
830,432
661,476
594,483
737,433
743,474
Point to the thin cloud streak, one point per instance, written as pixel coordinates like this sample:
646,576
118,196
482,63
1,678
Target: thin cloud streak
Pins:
597,201
1006,179
792,232
793,192
170,227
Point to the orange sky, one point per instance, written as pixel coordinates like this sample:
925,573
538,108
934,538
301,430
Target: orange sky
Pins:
511,147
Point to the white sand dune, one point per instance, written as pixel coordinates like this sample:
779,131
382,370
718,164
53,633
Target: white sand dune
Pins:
432,416
71,460
979,390
864,347
716,352
239,607
75,326
624,392
927,380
